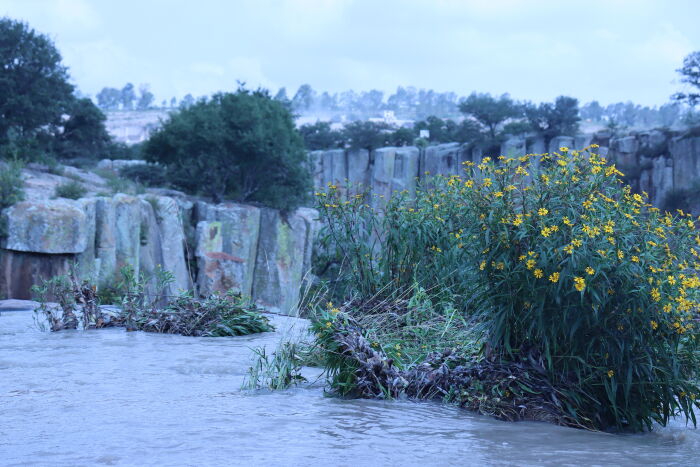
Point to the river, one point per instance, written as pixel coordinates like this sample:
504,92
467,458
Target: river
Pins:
109,397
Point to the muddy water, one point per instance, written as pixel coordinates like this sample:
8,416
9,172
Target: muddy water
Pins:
115,398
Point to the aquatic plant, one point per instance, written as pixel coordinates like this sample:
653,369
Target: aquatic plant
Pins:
228,314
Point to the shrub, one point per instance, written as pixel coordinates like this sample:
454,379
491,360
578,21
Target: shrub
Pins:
241,146
562,266
70,190
578,272
11,183
145,174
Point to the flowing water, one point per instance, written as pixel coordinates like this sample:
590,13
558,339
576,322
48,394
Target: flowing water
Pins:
109,397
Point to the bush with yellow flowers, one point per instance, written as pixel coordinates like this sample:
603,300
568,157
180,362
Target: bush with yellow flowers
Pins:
581,274
561,266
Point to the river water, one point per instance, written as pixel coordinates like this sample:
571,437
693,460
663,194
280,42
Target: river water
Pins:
109,397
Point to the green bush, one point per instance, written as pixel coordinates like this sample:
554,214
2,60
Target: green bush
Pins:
561,266
146,174
11,183
70,190
242,146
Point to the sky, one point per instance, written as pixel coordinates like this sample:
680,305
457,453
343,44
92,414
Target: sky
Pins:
610,51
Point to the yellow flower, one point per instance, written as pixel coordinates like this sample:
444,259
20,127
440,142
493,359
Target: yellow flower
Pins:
542,211
538,273
498,194
554,277
596,170
590,271
531,263
635,259
579,283
654,324
521,257
566,221
611,373
328,324
655,294
487,182
620,254
482,265
546,232
469,183
569,249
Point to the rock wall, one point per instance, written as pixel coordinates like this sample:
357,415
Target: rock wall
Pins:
663,164
208,248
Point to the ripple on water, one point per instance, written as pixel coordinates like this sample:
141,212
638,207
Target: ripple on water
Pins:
115,398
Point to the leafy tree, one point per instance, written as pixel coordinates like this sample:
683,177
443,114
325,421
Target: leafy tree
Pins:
173,102
128,96
34,87
304,98
366,135
146,98
282,95
402,137
109,98
550,120
186,101
84,133
319,135
241,146
690,74
593,110
489,111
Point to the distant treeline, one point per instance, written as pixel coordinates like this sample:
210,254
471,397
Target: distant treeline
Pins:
407,103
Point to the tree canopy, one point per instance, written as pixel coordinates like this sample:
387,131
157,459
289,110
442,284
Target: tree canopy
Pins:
690,74
550,120
489,111
241,146
34,87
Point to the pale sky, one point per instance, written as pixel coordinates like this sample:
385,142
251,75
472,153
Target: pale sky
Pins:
611,50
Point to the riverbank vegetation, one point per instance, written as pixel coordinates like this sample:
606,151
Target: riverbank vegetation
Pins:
537,287
68,303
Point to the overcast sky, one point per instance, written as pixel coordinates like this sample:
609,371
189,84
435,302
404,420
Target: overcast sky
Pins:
611,50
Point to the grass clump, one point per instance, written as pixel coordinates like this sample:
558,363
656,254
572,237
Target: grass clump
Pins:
70,190
571,292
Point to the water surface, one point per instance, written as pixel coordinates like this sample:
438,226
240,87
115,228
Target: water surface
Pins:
109,397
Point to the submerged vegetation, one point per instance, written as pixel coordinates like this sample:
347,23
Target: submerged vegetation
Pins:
537,287
143,308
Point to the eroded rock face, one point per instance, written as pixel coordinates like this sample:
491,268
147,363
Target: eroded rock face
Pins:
19,271
105,239
127,230
50,226
279,267
227,241
172,242
443,159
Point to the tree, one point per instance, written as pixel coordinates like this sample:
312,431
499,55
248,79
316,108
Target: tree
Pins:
550,120
690,74
319,135
109,98
241,146
186,101
303,99
366,135
146,97
34,88
593,111
173,102
489,111
128,96
402,137
84,133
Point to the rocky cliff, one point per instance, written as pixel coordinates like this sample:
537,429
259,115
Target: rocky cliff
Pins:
205,246
664,164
